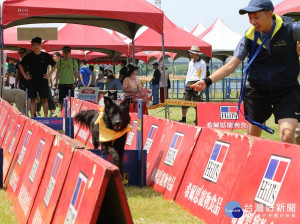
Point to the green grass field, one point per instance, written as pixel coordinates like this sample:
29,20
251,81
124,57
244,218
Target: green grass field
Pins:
146,205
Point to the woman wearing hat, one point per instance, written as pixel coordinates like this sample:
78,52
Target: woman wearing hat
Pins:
10,74
131,83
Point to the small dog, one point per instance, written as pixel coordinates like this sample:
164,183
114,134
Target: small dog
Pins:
16,96
116,119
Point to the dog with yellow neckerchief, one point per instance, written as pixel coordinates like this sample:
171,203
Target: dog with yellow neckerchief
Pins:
108,128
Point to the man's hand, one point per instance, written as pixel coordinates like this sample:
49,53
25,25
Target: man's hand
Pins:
46,76
27,76
199,86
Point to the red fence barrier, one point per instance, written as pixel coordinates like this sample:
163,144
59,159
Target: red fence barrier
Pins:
21,155
167,165
11,142
53,179
268,185
31,172
212,173
91,177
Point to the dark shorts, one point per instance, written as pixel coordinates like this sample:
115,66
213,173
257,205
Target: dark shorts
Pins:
63,91
34,88
189,93
259,107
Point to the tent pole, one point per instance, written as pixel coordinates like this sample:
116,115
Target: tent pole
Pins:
2,52
114,62
173,68
223,85
164,70
133,56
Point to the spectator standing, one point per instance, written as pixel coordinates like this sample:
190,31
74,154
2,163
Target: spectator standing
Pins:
37,61
10,74
85,75
20,81
93,81
100,79
163,84
113,83
66,75
123,71
196,71
155,83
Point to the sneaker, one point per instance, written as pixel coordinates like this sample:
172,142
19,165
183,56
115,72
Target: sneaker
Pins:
38,114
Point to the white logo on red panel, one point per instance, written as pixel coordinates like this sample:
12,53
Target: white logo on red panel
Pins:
272,180
150,137
174,148
216,160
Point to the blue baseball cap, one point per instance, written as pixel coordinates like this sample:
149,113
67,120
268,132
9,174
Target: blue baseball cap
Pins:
257,5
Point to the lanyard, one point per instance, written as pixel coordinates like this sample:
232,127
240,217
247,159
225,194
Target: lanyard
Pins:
252,56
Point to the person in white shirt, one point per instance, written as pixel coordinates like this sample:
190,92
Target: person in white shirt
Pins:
196,72
163,84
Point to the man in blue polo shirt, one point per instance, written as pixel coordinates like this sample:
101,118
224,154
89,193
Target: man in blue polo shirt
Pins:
273,86
85,74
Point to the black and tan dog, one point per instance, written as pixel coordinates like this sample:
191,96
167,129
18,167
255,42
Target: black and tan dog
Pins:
109,128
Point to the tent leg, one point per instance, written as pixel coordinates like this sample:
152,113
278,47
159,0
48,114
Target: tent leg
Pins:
164,70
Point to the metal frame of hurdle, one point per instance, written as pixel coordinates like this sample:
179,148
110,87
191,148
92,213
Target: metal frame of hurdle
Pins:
64,124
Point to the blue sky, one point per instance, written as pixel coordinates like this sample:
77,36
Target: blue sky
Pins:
189,12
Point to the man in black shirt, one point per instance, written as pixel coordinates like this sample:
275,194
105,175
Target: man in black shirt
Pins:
123,71
20,81
37,62
155,84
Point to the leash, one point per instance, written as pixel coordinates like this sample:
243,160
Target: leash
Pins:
244,80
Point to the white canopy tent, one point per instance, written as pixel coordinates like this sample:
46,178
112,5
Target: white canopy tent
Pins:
222,39
198,29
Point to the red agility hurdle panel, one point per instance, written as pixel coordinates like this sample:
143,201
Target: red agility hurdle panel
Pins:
52,181
172,157
220,116
153,131
31,172
83,133
268,185
12,115
4,116
75,106
131,136
92,193
6,122
21,156
11,142
212,173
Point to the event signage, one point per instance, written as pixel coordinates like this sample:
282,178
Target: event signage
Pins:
88,94
221,116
